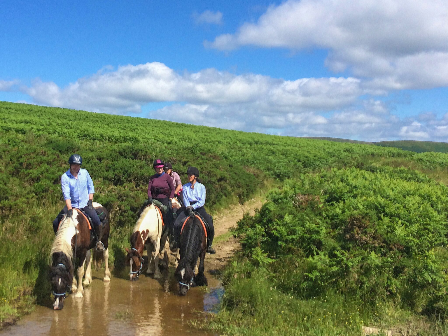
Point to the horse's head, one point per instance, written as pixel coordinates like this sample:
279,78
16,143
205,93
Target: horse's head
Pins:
184,275
61,278
135,261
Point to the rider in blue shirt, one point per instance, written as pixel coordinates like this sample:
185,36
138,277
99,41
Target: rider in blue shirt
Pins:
194,194
77,189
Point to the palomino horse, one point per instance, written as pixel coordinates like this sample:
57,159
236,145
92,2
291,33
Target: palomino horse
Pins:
193,244
147,232
71,247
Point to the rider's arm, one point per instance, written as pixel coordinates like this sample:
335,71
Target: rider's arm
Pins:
171,185
65,186
90,187
185,196
200,196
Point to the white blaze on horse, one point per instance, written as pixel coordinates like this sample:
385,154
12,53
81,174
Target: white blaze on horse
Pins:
147,232
71,247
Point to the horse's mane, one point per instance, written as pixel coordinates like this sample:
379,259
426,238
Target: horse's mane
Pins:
191,240
63,240
142,217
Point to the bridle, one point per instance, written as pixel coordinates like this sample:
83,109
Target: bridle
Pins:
187,285
68,286
139,271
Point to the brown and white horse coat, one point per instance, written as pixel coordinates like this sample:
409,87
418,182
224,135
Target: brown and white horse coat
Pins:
147,232
72,245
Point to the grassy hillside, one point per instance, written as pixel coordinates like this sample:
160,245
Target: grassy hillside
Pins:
35,143
416,146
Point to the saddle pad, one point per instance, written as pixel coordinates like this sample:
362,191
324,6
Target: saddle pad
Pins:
161,215
82,213
200,219
88,222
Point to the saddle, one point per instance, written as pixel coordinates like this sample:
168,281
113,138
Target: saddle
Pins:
101,214
202,220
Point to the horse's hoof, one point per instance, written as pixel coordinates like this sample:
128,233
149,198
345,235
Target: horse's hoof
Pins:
106,279
157,275
78,295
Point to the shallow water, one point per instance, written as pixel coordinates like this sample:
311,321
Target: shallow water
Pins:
122,307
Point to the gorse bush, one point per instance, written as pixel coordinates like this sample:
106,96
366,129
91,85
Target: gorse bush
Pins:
377,235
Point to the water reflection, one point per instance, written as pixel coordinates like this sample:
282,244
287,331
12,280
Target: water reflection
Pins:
122,307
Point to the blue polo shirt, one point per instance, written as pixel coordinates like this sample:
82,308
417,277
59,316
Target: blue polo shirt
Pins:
194,195
77,189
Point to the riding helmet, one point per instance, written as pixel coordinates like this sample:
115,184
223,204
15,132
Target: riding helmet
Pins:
168,166
75,159
193,171
158,163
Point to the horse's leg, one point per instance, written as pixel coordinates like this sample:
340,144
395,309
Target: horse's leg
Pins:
74,287
150,252
155,252
196,267
80,276
106,261
200,278
88,262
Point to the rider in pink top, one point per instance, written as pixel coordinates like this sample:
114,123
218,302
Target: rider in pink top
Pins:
176,180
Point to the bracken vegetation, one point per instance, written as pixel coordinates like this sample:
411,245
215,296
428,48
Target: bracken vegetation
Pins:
354,235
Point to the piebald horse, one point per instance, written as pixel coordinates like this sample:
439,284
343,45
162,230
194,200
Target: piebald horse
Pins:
193,245
71,248
147,232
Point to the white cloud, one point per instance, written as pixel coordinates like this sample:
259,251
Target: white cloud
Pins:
130,87
400,43
208,17
337,107
8,85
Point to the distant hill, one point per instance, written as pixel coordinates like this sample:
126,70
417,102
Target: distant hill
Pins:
416,146
408,145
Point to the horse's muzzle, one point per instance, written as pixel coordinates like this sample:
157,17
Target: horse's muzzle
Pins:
58,303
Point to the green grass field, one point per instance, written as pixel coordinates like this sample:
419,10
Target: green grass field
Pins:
35,143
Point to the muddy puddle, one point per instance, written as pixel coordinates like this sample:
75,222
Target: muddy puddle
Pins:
122,307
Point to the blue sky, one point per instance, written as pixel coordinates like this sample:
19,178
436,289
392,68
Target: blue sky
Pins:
365,70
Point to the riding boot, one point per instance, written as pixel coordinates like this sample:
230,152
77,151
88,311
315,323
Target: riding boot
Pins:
98,233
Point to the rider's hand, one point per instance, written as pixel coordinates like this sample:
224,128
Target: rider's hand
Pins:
90,204
149,200
70,213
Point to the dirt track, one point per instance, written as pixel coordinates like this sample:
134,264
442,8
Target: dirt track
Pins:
223,221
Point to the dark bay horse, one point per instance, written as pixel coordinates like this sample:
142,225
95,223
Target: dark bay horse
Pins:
193,245
71,251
